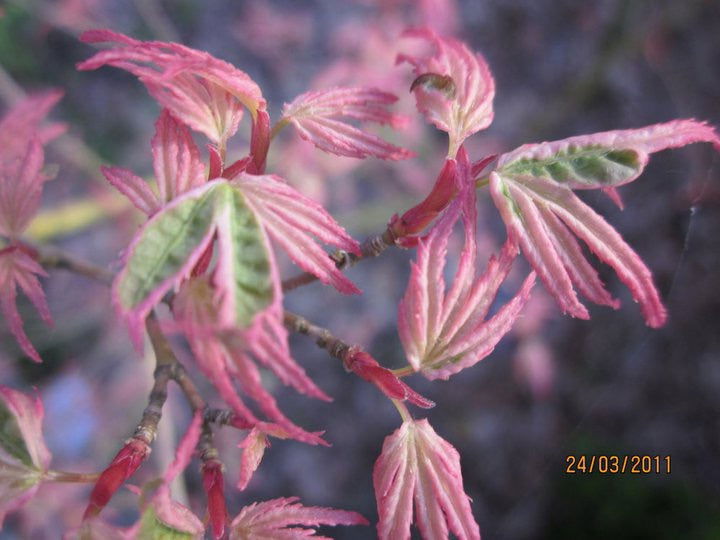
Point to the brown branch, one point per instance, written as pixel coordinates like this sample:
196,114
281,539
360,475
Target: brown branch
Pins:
324,339
371,247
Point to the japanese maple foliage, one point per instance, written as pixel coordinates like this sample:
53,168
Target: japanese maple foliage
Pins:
24,457
22,134
532,188
203,92
454,88
200,272
314,116
417,466
442,331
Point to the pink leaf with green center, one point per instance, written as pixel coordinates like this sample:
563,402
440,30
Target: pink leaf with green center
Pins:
166,249
454,88
445,331
602,160
292,220
315,116
532,188
18,269
286,518
417,465
200,90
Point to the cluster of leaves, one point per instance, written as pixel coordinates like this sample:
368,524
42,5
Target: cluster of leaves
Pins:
207,250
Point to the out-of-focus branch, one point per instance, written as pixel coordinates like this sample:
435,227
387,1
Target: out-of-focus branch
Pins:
371,247
52,257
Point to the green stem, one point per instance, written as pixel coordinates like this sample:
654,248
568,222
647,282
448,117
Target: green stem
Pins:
482,182
278,127
71,477
402,409
403,371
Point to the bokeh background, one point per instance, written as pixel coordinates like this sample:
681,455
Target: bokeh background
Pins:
555,387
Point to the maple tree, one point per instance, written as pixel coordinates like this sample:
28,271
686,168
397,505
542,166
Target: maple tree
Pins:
203,266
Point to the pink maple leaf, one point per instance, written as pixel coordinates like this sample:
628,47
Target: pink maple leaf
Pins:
228,357
24,457
275,519
25,120
442,331
18,269
21,181
417,465
532,188
454,88
22,134
253,450
177,165
292,220
315,116
200,90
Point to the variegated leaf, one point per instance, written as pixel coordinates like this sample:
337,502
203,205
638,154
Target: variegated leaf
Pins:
531,186
168,246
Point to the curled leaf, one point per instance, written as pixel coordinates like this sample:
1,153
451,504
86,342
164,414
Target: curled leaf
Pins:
417,465
454,88
200,90
444,331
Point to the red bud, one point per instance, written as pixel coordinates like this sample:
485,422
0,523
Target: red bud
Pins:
417,218
366,367
122,467
216,162
259,142
213,485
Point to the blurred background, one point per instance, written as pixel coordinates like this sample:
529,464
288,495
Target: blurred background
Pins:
555,387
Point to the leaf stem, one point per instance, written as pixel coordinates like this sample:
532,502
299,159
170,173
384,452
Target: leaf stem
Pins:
278,127
53,257
402,409
403,371
70,477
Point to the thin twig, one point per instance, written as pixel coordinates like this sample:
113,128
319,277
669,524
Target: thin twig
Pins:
371,247
53,257
324,339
